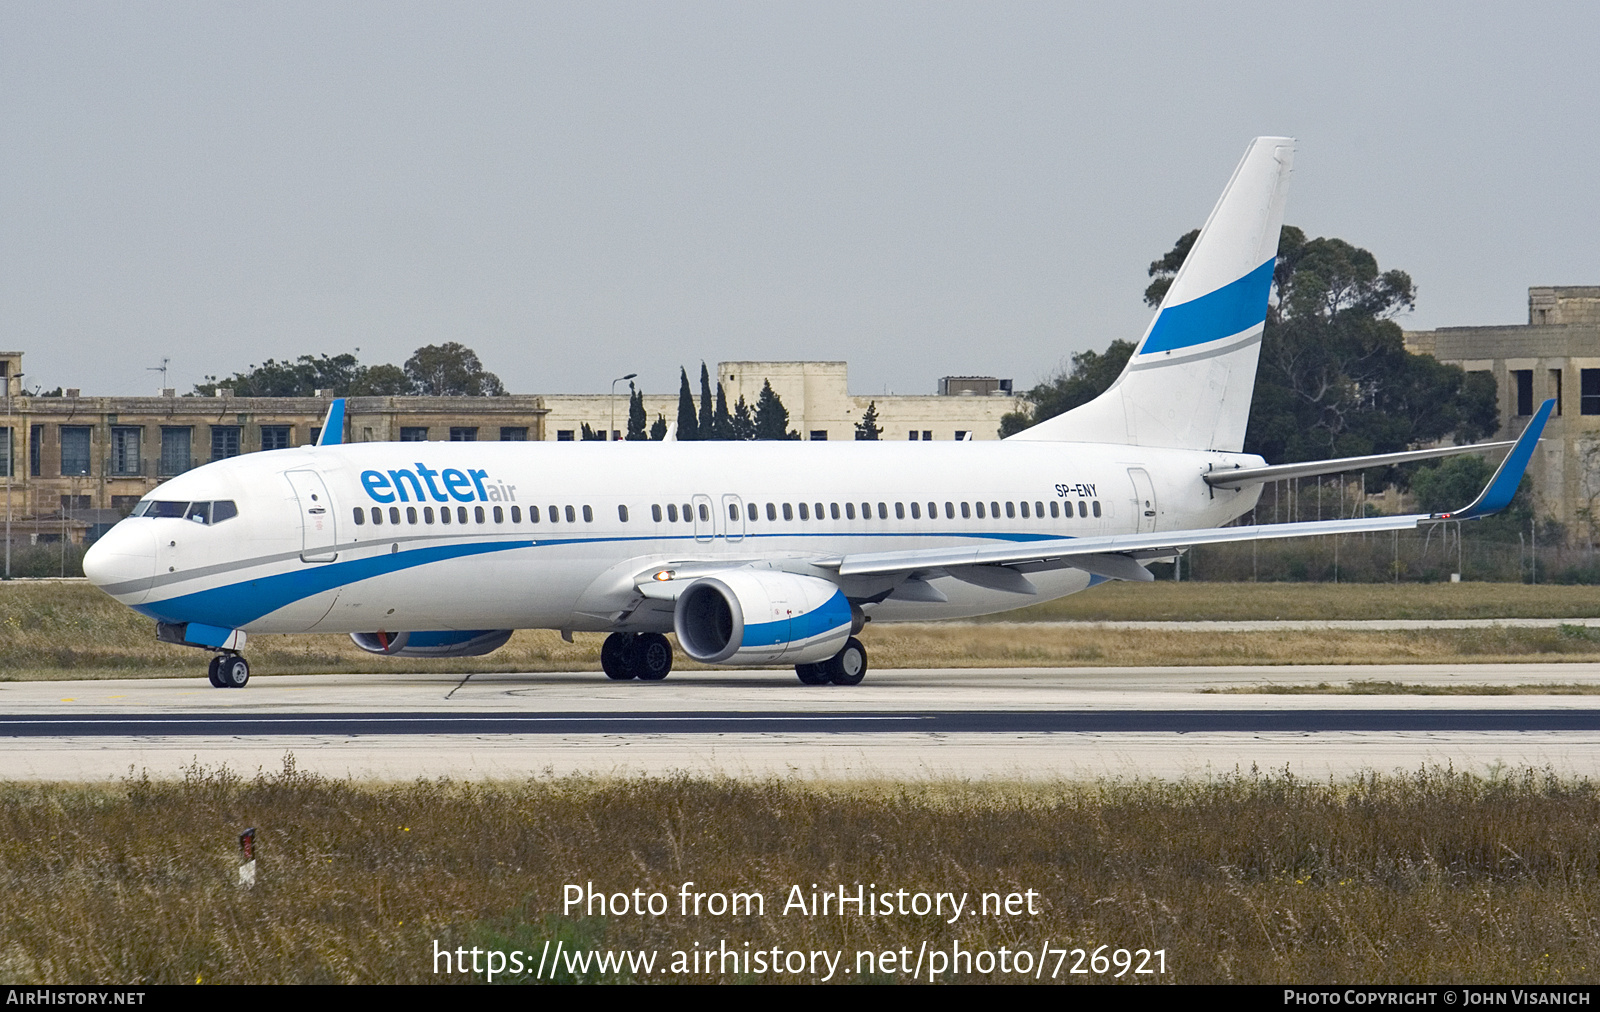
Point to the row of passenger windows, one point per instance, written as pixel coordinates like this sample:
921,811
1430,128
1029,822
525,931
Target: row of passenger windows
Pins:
825,511
673,513
478,514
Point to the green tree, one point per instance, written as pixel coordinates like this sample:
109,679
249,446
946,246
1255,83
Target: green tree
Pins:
302,377
1090,374
744,423
1455,481
381,381
451,370
636,415
1165,269
658,428
588,435
722,421
707,422
868,427
688,423
772,418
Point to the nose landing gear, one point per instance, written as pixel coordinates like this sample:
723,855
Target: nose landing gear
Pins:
229,671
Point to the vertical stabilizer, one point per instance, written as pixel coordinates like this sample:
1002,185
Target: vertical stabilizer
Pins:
1189,382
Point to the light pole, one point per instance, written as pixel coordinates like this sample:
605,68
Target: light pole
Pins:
11,464
611,432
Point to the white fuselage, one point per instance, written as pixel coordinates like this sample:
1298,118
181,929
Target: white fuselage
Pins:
294,559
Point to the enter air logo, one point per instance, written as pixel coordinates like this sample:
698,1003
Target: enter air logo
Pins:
407,485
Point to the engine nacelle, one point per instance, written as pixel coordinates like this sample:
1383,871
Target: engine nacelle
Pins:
759,616
448,643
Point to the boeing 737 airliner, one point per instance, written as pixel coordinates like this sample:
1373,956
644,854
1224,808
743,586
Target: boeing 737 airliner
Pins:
755,553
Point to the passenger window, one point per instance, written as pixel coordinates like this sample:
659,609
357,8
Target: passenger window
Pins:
788,512
427,514
933,511
461,514
223,509
899,511
655,512
622,513
1038,510
949,511
377,515
833,510
588,515
1011,511
1024,509
772,512
705,513
805,512
883,511
499,515
361,516
994,510
688,513
516,514
966,512
1083,508
866,511
394,515
572,515
411,515
672,512
533,514
555,514
849,511
751,511
1055,509
916,511
444,514
733,511
1097,508
980,511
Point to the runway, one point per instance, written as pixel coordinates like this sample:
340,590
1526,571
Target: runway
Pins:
1004,723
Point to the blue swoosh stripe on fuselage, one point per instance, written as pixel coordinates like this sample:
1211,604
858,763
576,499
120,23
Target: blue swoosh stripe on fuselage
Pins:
1231,309
237,604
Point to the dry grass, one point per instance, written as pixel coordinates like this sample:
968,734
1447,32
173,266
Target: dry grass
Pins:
1375,687
64,630
1434,876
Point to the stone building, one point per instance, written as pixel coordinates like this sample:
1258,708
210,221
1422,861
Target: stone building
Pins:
1556,354
818,398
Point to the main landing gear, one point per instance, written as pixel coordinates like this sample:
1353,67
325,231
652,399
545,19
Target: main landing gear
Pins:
847,667
645,656
229,671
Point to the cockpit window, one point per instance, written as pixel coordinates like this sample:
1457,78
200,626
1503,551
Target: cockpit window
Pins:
197,512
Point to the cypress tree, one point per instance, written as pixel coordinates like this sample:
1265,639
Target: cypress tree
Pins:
744,426
868,427
723,422
707,421
658,428
772,418
636,415
688,426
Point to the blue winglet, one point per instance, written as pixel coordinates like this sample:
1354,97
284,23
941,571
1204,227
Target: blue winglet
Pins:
1497,494
333,425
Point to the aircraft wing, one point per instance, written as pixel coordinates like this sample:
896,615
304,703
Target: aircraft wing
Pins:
1118,556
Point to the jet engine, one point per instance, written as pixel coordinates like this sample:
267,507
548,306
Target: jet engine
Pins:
760,616
448,643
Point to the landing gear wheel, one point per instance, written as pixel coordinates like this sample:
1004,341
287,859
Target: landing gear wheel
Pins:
214,673
233,671
812,674
848,666
616,656
652,657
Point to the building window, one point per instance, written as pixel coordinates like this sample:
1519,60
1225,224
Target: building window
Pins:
819,435
463,433
224,441
5,448
125,450
1523,379
35,449
927,435
175,449
316,435
413,433
912,435
73,503
275,437
961,434
513,433
124,504
74,449
1555,389
564,436
1589,391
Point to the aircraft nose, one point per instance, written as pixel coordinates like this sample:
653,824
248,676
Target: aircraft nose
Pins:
123,562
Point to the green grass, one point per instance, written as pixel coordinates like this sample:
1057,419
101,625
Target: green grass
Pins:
1251,877
1373,687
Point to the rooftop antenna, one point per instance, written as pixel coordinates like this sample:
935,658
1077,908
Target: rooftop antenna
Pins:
162,369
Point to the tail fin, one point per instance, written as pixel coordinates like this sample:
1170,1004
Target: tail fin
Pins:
1189,382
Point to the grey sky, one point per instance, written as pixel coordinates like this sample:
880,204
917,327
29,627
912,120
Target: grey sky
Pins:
583,190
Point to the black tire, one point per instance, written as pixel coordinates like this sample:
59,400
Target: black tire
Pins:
812,674
234,671
652,657
616,656
214,674
848,666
